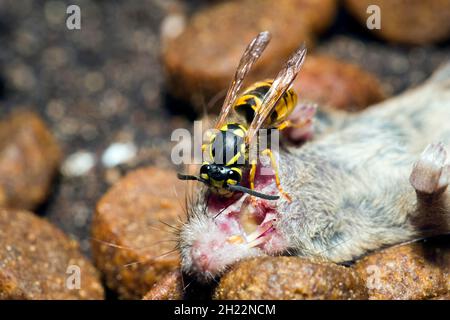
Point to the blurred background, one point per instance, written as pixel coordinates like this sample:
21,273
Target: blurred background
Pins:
112,92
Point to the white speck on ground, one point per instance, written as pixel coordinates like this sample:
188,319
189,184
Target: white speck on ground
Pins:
78,164
172,26
118,153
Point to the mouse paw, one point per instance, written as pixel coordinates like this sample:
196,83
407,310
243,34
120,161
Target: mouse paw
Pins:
431,174
301,123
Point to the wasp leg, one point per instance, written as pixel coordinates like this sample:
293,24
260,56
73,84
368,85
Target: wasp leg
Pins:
269,153
252,178
301,117
299,124
252,175
289,124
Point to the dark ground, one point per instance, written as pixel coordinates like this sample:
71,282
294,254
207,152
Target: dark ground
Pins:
104,84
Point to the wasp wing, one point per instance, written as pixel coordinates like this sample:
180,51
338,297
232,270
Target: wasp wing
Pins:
251,54
282,82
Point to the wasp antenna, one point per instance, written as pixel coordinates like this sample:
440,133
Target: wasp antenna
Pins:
253,192
187,177
191,177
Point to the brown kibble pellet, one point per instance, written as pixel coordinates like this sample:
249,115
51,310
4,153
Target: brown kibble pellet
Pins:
330,82
414,22
132,245
170,287
201,62
287,278
29,158
412,271
37,261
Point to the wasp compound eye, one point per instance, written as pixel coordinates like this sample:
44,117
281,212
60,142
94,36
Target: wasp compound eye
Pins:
234,175
233,178
204,171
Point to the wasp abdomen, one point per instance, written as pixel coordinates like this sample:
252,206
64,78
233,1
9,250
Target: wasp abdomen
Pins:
251,99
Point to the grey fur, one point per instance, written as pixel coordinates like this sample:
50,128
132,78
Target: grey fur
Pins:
351,190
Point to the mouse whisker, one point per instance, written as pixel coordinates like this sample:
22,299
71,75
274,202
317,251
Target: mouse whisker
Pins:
114,245
175,228
151,259
212,277
187,286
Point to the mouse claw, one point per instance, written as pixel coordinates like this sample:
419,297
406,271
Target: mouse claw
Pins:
431,174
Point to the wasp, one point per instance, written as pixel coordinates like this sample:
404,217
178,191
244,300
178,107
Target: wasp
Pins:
265,104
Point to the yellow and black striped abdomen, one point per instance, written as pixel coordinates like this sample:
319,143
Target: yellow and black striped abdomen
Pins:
250,101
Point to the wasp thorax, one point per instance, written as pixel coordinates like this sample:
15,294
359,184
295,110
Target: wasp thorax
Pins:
227,147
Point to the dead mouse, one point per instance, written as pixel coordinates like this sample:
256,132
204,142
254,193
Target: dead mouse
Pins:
380,180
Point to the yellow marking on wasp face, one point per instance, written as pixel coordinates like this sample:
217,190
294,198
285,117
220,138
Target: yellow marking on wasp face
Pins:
216,183
239,172
204,176
233,181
